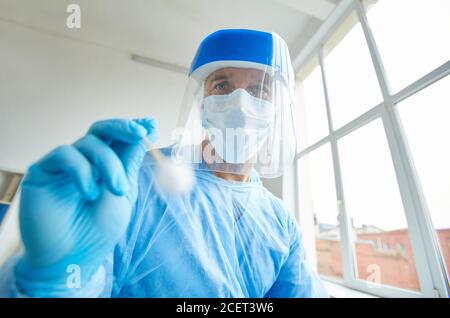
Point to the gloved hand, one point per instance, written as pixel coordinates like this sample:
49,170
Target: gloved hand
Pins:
76,204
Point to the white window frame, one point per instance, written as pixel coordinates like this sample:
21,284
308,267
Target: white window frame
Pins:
427,255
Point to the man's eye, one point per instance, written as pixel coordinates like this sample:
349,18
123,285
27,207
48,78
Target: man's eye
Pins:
221,86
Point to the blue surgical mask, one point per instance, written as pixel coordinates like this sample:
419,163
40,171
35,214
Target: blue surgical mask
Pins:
238,124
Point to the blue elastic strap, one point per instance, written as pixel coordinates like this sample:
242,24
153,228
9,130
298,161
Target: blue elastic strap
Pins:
235,45
264,48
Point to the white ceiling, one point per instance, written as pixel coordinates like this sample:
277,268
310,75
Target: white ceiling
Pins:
168,31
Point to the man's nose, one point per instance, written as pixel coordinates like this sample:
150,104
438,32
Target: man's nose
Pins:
240,83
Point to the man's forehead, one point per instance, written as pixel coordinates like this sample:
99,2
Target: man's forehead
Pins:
237,72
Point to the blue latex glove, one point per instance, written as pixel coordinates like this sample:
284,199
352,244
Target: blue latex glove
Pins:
76,204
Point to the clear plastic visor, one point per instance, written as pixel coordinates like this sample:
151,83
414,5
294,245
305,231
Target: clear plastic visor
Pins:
235,120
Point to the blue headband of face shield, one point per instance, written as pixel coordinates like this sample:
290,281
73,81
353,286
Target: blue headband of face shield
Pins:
249,48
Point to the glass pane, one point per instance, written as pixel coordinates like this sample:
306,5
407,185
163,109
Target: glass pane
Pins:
425,118
380,233
318,198
351,80
412,37
313,113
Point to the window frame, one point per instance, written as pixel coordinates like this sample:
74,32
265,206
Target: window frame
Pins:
427,255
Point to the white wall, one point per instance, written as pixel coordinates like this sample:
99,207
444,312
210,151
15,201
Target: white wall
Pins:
52,89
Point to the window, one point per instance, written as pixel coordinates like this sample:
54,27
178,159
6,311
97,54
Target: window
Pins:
351,78
318,197
313,115
383,157
417,44
374,205
425,118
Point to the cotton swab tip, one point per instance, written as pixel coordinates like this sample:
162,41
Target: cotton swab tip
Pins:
171,176
175,177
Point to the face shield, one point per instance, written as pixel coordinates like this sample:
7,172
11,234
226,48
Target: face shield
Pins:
237,110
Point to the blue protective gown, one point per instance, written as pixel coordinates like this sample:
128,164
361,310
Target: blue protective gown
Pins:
224,239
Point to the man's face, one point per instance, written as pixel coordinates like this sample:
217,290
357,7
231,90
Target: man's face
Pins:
224,81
